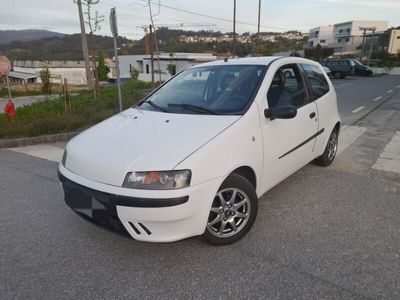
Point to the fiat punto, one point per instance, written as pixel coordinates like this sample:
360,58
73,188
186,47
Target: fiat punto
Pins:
196,154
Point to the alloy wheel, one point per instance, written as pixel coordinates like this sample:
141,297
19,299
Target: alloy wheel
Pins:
332,145
229,213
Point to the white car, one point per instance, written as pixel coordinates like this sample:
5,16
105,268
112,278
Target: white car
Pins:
194,156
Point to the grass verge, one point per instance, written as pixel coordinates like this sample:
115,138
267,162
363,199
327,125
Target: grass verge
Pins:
49,116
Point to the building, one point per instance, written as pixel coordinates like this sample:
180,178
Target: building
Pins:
348,36
16,77
142,63
73,71
322,35
394,42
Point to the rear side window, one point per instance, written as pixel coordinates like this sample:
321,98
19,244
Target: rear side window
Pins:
319,84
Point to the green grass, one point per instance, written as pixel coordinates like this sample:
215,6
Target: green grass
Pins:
49,117
19,93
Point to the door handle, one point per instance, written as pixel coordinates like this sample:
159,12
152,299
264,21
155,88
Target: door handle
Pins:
312,115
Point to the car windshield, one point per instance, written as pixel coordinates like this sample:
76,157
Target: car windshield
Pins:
208,90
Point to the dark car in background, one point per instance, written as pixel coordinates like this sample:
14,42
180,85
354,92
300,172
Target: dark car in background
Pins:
361,69
345,67
340,68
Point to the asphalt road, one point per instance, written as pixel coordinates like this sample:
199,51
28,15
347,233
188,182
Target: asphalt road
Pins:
357,96
324,233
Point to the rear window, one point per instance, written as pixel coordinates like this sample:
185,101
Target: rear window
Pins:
319,84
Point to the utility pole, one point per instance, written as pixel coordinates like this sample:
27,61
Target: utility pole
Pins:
151,53
114,30
85,47
371,44
234,29
258,27
259,15
363,44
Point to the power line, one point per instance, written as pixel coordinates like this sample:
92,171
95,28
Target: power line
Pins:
213,17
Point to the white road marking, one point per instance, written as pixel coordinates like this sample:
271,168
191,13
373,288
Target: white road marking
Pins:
358,109
389,158
378,98
398,86
390,91
44,151
348,135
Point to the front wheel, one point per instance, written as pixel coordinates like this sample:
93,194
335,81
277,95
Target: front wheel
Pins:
233,211
330,150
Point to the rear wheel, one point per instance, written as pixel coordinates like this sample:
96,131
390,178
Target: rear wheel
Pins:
330,150
337,75
233,211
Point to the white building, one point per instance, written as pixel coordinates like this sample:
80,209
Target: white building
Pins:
142,63
322,35
73,71
394,42
348,36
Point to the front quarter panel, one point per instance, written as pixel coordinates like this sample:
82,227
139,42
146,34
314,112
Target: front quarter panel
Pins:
239,145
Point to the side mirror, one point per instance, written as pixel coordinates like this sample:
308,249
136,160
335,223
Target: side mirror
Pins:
281,112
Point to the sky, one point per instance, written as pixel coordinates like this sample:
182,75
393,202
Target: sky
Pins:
283,15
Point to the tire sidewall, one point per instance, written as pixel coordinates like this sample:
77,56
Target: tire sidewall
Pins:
325,158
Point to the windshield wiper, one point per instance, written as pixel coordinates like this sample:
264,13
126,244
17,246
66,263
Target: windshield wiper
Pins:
155,106
196,108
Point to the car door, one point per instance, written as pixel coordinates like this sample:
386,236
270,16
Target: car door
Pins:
288,143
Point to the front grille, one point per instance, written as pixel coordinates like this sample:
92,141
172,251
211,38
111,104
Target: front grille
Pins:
97,207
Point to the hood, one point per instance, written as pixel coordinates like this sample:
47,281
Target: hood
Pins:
140,140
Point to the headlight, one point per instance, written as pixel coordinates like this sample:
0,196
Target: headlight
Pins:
158,180
64,158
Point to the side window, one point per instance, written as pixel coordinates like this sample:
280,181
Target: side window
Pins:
318,83
287,88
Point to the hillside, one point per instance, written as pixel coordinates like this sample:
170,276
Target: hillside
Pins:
68,47
8,36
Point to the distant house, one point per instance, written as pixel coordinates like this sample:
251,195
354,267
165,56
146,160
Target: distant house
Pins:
322,35
394,42
349,35
74,71
16,77
142,63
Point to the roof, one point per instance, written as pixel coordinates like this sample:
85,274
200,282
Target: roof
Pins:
22,75
50,64
262,60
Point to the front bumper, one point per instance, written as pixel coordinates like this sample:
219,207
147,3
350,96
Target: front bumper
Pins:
154,216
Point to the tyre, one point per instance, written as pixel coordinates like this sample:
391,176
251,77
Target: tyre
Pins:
233,211
330,150
337,75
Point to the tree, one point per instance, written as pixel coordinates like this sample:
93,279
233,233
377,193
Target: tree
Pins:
45,77
171,67
134,74
93,21
102,69
318,53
